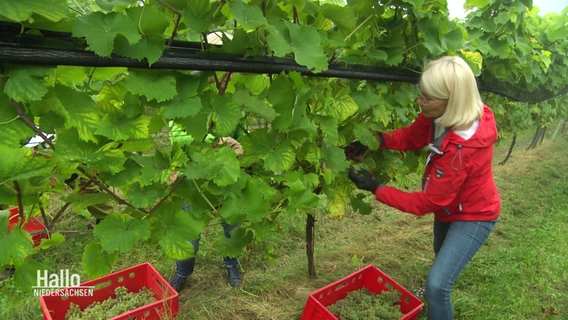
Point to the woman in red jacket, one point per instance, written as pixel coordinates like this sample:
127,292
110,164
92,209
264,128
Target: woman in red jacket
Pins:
458,186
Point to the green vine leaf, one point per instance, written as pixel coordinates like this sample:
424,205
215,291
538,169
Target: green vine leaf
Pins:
25,276
152,85
306,45
359,204
342,16
23,85
123,128
143,197
247,15
22,10
336,205
96,261
277,154
278,39
430,28
226,114
100,30
254,105
15,245
55,238
120,232
80,201
341,106
218,165
299,191
233,247
198,15
281,95
175,228
150,47
187,102
78,109
13,132
453,39
149,169
366,136
152,24
250,204
475,61
17,164
174,246
151,20
197,126
334,158
103,158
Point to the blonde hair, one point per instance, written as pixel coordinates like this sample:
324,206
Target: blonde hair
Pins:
450,78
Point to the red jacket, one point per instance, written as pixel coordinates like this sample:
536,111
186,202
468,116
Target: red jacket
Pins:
458,185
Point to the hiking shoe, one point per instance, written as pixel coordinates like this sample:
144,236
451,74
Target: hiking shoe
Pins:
234,275
178,282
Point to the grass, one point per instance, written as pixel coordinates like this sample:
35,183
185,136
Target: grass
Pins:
520,273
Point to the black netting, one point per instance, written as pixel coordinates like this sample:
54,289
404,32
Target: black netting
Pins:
56,48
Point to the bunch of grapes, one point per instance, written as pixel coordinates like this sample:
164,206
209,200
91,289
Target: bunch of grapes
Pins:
363,304
101,310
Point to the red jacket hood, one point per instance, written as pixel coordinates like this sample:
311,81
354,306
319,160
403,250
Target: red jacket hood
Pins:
485,135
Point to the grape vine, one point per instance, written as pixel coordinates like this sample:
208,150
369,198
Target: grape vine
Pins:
112,123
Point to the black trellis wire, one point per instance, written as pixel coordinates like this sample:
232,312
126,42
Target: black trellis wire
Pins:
24,49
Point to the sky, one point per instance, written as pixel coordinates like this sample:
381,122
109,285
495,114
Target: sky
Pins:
545,6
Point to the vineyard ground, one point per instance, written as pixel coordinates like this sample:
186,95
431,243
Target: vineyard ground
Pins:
521,272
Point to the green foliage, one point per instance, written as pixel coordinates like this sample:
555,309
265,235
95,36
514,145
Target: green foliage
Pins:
100,30
120,232
16,10
18,245
113,125
96,261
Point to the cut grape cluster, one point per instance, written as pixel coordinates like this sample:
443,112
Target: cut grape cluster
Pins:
101,310
363,304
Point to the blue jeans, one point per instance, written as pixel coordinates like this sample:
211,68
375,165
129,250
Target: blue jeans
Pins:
455,244
184,268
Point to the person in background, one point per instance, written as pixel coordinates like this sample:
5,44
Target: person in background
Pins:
184,268
459,131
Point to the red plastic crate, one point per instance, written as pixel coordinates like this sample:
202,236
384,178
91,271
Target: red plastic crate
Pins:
370,278
33,226
134,279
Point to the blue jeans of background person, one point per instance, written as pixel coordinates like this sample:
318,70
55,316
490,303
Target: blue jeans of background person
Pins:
454,245
184,268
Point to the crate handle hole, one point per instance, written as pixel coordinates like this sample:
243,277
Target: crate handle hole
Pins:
102,285
341,286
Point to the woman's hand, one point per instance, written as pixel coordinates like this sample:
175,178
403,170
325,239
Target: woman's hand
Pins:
363,179
355,150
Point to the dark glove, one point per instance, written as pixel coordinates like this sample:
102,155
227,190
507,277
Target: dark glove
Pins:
355,150
363,179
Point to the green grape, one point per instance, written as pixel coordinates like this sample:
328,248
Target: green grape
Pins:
124,301
363,304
